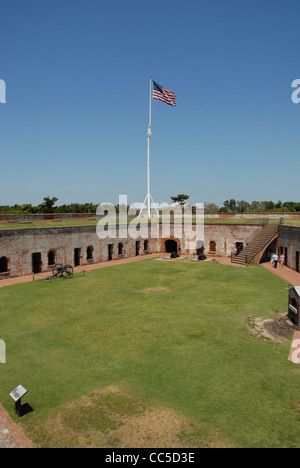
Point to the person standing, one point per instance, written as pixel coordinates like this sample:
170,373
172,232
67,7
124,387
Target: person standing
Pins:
275,260
281,259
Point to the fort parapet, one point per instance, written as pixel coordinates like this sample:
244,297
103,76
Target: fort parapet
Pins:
23,251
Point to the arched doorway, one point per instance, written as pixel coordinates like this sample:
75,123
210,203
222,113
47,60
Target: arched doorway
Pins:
171,246
51,258
212,247
268,252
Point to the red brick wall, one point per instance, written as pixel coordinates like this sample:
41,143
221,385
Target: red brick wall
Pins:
19,245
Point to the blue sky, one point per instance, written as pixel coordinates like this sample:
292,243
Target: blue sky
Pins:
77,76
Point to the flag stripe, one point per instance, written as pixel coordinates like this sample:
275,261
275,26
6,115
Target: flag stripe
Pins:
162,94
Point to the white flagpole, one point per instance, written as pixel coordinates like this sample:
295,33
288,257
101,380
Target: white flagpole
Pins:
148,196
148,154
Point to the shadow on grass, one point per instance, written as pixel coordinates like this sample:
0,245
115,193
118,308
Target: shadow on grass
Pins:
25,409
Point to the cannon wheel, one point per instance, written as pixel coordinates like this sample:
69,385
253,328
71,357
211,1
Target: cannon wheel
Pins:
68,271
57,268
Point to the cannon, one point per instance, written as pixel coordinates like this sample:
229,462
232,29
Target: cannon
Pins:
202,257
61,271
174,255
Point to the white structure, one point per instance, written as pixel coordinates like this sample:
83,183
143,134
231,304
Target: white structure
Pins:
147,201
2,92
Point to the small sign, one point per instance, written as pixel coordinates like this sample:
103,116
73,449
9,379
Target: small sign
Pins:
295,349
293,309
18,393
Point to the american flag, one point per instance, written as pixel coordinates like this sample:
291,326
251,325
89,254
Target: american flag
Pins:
163,94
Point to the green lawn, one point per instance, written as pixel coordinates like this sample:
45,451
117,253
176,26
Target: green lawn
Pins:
93,222
118,356
47,224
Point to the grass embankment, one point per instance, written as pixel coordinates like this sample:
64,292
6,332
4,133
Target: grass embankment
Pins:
153,353
93,222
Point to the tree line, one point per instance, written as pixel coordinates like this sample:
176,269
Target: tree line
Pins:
48,206
242,206
229,206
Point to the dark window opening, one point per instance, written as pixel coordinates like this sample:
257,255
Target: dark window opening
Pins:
51,258
110,251
286,256
171,246
120,249
212,247
36,262
89,252
297,261
77,256
3,265
239,246
146,245
137,248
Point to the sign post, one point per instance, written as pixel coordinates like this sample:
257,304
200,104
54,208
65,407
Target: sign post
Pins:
17,395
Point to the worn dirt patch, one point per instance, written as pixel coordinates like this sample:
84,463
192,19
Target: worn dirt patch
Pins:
276,330
157,290
297,404
111,418
155,427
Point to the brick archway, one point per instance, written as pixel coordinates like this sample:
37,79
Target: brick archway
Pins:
170,244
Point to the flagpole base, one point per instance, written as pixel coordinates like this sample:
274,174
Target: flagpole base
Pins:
147,206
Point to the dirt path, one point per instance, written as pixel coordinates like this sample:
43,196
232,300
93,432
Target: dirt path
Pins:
290,276
93,266
96,266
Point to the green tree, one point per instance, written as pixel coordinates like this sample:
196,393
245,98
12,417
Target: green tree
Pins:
268,205
230,205
243,206
181,199
255,206
48,205
211,208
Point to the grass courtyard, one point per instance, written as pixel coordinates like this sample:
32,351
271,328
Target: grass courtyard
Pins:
151,354
93,222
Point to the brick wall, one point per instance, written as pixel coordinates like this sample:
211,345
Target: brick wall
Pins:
261,216
19,245
226,236
289,244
